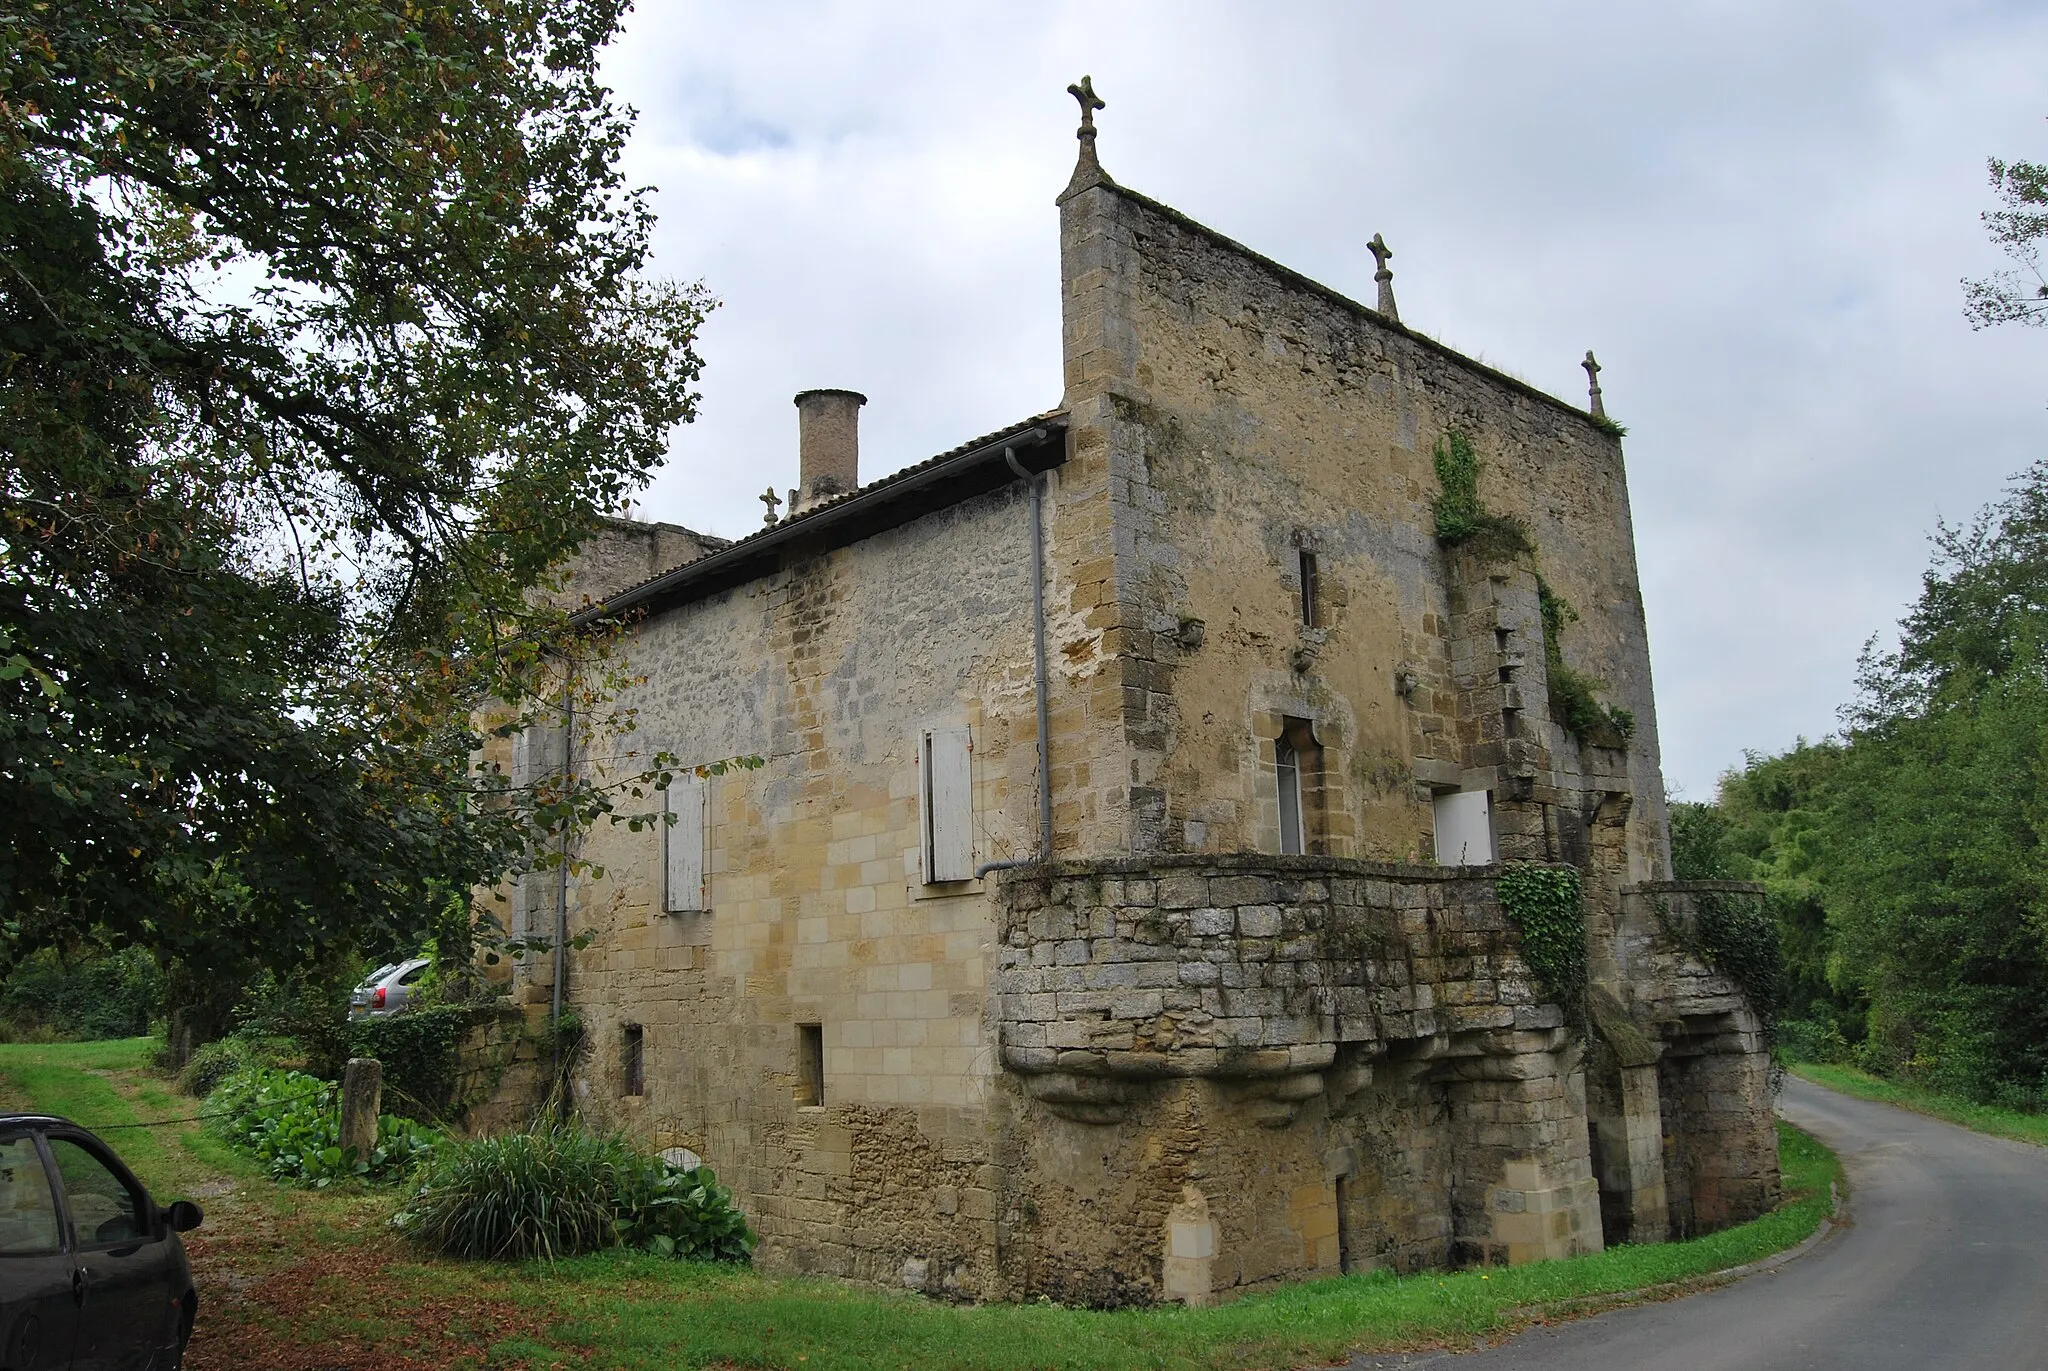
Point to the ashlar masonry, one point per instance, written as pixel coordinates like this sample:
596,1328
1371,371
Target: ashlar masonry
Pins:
1115,916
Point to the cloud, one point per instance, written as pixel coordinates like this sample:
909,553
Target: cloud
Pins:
1756,213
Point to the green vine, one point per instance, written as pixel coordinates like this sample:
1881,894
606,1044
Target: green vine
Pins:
1545,905
1574,697
1460,518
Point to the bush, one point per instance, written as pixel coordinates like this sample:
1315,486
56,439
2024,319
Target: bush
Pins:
559,1190
96,995
1808,1040
291,1123
419,1051
216,1061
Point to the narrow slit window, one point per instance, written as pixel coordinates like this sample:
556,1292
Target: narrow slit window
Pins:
810,1064
633,1057
1287,765
1310,575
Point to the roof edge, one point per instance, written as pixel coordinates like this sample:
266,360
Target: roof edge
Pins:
862,512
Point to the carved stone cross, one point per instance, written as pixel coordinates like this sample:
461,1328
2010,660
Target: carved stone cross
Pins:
1596,408
1084,91
769,498
1385,276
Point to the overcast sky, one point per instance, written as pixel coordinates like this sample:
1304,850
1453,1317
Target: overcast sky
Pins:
1756,213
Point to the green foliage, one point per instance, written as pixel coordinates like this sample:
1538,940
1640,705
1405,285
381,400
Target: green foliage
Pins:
291,1123
214,1062
1461,519
1737,935
1608,426
418,1050
1545,905
1574,697
2020,227
559,1190
324,335
89,995
1906,867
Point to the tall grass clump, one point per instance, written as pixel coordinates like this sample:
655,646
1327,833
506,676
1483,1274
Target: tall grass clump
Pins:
560,1190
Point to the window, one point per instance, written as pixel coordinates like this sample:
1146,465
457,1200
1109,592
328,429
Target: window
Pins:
28,1211
810,1064
1464,828
946,805
104,1211
684,839
1298,776
1288,763
1310,575
633,1059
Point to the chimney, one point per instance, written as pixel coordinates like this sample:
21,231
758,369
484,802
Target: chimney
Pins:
828,445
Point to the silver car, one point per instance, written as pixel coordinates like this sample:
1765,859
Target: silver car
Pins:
385,990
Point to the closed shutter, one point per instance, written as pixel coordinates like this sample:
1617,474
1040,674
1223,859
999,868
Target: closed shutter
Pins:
686,833
947,787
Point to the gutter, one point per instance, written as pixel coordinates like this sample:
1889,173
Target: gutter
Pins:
1036,484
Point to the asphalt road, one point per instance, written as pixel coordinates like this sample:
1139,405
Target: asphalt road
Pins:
1943,1263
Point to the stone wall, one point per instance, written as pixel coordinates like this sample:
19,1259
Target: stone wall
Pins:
1238,416
1244,1069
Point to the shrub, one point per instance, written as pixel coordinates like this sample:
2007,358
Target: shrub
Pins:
291,1123
419,1051
558,1190
1806,1040
94,995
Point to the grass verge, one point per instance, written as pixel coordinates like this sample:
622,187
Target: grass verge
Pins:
1984,1118
629,1311
323,1284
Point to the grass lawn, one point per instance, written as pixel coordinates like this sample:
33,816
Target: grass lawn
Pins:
295,1279
1985,1118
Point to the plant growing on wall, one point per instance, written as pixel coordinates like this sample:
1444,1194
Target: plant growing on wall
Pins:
1460,517
1574,696
1544,904
1737,935
1462,520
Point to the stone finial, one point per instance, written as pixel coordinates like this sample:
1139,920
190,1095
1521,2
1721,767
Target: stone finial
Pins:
1381,254
1599,411
769,498
1087,171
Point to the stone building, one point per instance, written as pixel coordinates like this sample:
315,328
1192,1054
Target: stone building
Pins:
1116,914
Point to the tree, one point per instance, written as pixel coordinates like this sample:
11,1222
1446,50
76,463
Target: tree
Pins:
2014,297
324,334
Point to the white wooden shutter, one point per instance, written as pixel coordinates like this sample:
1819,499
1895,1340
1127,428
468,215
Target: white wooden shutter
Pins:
947,789
1464,829
686,834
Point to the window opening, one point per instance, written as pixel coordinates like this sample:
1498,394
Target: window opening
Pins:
104,1211
1310,575
28,1210
634,1058
810,1063
1288,764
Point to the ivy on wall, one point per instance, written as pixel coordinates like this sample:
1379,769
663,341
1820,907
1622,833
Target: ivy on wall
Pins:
1545,905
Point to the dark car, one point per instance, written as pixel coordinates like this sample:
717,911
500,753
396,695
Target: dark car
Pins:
93,1275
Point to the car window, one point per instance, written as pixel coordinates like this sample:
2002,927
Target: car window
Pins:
370,981
413,975
103,1209
28,1211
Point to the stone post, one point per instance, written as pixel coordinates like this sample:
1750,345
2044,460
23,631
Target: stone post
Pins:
362,1094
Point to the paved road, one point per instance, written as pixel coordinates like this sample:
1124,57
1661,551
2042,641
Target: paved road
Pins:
1943,1264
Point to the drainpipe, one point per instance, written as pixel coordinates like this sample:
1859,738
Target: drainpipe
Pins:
1038,676
562,882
